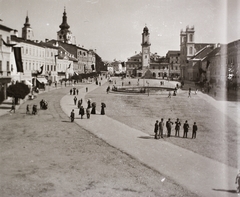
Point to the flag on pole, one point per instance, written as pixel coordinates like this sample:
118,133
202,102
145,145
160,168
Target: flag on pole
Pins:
40,72
18,58
93,67
8,45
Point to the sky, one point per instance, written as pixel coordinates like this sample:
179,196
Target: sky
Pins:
114,27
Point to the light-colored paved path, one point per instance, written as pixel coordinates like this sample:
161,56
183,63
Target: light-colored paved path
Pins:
199,174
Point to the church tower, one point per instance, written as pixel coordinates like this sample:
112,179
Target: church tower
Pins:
145,48
64,35
27,32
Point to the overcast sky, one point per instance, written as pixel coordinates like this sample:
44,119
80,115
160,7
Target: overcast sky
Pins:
114,27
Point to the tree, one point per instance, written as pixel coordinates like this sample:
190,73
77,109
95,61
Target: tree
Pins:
18,90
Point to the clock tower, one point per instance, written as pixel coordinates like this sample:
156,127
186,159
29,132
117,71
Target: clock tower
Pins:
145,48
64,35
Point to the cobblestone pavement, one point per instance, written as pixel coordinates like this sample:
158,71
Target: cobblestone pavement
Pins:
47,155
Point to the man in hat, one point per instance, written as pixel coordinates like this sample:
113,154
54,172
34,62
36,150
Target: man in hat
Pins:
194,130
161,125
185,129
169,127
72,115
156,129
177,127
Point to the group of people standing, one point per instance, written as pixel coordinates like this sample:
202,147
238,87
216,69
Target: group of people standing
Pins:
90,109
159,127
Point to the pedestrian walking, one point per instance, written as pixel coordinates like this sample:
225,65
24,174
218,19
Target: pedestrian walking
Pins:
194,130
88,103
81,112
169,127
79,103
108,89
169,94
86,89
27,109
75,100
103,105
93,111
185,129
161,125
13,108
72,115
88,112
189,92
238,182
177,127
156,129
34,109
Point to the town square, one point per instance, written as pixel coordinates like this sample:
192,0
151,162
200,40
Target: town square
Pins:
75,124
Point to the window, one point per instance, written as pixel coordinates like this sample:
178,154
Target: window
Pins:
190,50
0,40
0,65
145,56
190,38
8,40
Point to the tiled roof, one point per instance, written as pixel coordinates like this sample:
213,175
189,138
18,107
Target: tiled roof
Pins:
202,53
18,39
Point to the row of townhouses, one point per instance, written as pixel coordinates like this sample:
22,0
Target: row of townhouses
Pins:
25,59
199,62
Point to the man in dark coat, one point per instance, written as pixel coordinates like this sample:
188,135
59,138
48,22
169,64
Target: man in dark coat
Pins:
156,129
161,125
72,115
169,127
75,100
185,129
194,130
81,112
177,127
102,108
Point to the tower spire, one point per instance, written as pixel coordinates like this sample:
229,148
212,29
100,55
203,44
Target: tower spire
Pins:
27,24
64,24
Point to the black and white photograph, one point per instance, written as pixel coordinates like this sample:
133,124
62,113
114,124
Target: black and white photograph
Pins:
119,98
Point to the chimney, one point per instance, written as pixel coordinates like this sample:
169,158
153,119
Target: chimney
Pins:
46,40
15,32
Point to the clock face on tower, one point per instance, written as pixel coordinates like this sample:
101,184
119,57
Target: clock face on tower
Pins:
145,51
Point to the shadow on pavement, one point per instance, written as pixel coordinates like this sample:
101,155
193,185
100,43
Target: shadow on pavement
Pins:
5,107
146,137
226,190
68,121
